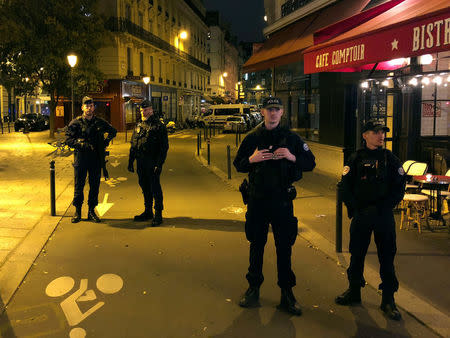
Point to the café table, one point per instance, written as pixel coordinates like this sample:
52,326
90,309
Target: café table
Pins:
435,183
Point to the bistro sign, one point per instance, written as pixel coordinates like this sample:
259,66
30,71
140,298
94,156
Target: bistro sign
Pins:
404,39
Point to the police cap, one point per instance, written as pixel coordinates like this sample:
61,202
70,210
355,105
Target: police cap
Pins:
87,100
272,102
375,126
146,103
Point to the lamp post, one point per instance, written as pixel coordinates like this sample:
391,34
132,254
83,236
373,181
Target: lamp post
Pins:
72,59
146,80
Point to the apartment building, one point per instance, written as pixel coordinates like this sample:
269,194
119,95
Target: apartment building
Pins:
159,52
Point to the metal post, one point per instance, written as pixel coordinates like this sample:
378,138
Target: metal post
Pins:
52,188
9,130
339,217
125,133
210,134
237,143
229,162
71,79
209,152
214,130
198,144
2,127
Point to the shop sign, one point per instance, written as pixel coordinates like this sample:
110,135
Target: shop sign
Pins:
60,111
428,109
425,36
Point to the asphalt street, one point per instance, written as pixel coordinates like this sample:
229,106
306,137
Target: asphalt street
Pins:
120,278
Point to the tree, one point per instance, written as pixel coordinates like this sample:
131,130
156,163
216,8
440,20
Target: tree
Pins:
36,36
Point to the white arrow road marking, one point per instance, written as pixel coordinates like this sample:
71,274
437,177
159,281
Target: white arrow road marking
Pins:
102,208
115,163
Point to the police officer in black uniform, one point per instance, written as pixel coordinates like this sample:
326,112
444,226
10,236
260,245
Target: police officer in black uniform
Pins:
86,135
373,183
149,146
274,157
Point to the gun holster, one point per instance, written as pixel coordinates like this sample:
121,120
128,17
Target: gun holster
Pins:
243,188
291,192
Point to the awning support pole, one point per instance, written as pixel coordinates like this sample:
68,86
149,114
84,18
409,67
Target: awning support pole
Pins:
373,69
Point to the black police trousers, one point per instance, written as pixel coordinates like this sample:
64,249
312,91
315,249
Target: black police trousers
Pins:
83,167
279,213
382,224
149,181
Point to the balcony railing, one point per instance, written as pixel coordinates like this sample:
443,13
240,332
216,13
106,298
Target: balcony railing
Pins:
292,5
115,24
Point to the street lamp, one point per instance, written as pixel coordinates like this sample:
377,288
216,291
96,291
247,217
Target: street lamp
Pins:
146,80
72,59
183,35
225,74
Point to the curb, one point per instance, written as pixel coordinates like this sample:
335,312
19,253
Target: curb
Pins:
418,308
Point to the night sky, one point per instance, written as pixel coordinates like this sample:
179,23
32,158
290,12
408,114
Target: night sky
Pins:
245,17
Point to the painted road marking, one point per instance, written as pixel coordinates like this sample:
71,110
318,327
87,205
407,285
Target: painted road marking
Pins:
233,210
107,283
103,207
113,182
115,163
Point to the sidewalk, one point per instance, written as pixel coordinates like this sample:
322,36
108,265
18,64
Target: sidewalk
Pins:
25,221
422,262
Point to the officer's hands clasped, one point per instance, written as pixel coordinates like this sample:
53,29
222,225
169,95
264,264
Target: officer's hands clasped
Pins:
269,154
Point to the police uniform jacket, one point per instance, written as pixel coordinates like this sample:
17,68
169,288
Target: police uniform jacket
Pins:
273,177
87,137
372,178
149,142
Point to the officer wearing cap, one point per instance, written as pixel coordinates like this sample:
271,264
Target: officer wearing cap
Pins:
274,157
373,183
149,146
86,135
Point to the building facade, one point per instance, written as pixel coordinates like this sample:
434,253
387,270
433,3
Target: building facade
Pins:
161,42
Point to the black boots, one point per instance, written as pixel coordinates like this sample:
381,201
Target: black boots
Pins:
288,303
350,296
157,220
77,215
250,297
145,216
389,308
92,216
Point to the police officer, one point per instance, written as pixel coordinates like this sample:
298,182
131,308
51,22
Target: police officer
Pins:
373,183
86,135
149,146
274,157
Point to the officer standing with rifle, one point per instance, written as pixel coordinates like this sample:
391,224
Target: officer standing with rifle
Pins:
149,146
275,158
86,134
373,183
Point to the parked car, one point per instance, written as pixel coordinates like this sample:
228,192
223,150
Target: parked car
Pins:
32,122
219,113
235,123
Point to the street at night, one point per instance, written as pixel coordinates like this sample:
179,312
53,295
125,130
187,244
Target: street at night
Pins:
182,279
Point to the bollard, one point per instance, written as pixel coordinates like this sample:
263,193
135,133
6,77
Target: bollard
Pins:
2,128
209,152
198,143
125,134
229,162
339,217
237,142
9,130
204,134
214,130
52,188
210,130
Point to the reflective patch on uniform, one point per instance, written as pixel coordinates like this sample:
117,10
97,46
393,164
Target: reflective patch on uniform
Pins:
346,170
138,129
401,171
305,147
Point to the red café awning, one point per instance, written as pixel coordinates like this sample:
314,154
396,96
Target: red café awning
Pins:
285,46
411,28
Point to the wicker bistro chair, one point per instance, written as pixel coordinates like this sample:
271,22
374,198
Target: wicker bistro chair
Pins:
415,208
415,169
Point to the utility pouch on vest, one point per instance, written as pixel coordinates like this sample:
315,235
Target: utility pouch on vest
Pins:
291,192
243,188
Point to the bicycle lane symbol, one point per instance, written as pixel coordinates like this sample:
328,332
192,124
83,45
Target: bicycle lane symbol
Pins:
106,283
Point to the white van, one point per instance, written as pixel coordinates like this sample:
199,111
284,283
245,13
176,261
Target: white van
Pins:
219,113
